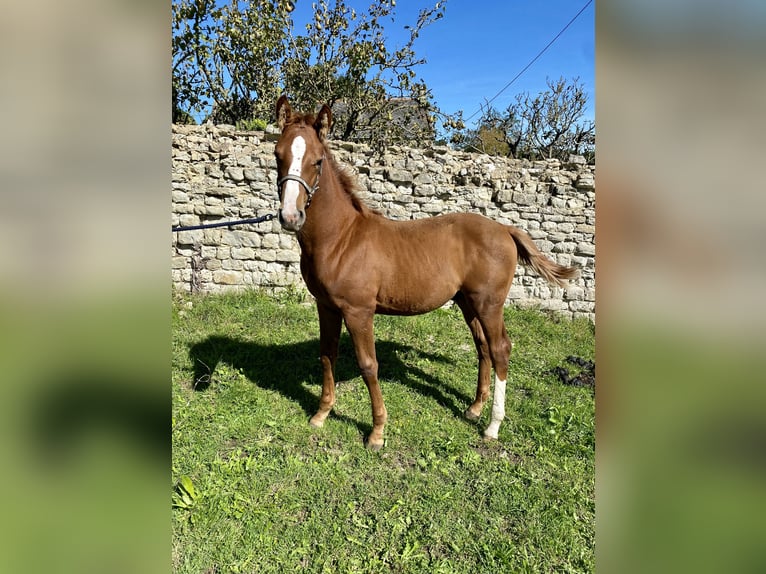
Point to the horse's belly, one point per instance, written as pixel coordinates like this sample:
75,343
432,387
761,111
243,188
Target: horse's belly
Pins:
396,308
414,298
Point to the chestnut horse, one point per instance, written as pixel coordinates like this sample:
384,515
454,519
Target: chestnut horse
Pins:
357,263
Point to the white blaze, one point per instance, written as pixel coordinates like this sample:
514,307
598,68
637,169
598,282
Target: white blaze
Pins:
292,189
498,409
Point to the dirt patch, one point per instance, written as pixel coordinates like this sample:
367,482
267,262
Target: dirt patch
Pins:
585,375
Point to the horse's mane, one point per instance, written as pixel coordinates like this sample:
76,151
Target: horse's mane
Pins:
347,180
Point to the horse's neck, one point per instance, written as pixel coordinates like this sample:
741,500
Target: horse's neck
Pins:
328,217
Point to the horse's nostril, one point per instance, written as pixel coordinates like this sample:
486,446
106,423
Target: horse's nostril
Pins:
292,220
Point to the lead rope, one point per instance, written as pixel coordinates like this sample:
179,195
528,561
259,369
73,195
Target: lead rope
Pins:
261,219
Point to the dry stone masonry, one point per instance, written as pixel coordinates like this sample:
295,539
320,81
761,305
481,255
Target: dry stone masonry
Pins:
220,174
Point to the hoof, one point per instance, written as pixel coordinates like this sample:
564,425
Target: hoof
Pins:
374,445
316,423
471,416
488,436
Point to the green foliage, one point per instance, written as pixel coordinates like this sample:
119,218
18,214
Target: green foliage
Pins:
275,495
232,62
550,125
490,140
254,124
223,55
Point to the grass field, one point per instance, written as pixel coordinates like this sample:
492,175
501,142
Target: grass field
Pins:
256,489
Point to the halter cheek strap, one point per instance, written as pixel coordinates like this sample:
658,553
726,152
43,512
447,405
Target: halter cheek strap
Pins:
310,190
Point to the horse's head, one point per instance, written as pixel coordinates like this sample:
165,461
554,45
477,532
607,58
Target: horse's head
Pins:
299,153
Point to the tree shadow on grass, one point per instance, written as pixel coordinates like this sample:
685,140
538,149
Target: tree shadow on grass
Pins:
285,368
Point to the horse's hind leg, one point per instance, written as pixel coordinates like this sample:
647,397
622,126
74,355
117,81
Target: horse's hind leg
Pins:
497,345
500,352
482,350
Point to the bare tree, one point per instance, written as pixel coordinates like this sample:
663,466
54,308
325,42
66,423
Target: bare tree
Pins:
549,125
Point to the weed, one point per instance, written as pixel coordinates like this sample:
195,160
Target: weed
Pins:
253,124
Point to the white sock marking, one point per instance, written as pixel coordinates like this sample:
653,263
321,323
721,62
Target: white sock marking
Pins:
292,189
498,409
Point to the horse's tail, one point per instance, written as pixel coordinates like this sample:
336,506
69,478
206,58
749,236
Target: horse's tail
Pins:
531,255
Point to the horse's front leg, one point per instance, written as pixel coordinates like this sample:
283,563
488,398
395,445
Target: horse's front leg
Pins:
329,334
360,327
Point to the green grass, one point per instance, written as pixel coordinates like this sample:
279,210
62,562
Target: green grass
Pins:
256,489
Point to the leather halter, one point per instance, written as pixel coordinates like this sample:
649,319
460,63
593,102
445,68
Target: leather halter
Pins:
310,190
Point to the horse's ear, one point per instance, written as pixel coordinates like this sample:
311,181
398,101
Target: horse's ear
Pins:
284,111
323,122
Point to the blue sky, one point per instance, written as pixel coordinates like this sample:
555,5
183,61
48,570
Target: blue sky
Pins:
480,45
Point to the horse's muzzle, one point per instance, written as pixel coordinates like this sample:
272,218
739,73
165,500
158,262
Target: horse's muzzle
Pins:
291,220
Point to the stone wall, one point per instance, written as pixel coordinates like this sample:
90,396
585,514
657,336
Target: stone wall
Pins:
220,174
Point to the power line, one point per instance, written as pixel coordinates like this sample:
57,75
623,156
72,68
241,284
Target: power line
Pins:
516,77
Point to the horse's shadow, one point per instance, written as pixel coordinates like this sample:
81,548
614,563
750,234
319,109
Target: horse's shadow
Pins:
286,367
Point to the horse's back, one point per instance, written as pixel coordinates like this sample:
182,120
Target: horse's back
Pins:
419,265
454,238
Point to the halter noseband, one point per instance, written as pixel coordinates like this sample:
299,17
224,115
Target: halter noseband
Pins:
310,190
